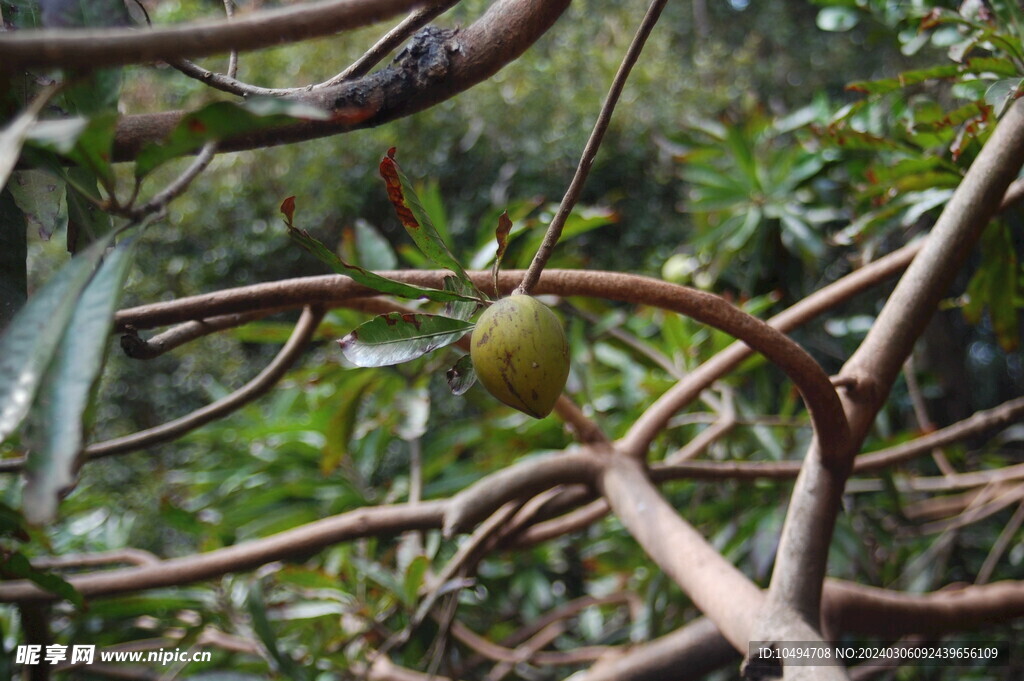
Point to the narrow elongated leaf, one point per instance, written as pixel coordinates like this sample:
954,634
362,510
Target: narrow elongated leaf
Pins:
86,141
343,421
11,139
86,222
28,343
373,249
57,424
905,79
398,337
16,566
367,278
413,580
415,218
220,120
281,661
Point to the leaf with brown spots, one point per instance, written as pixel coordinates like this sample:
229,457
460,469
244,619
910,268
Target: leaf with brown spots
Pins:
415,219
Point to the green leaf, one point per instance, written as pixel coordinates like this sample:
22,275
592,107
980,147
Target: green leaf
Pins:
462,376
461,309
414,579
87,142
86,221
40,196
57,426
398,337
1002,93
221,120
837,19
343,420
17,566
13,135
415,219
995,286
281,661
367,278
905,79
12,524
374,251
13,254
28,343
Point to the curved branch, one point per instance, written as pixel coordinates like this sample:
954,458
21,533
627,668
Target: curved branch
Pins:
522,479
977,424
264,381
121,46
698,648
443,64
137,347
655,417
714,584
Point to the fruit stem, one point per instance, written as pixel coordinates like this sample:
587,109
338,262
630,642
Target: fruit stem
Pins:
572,194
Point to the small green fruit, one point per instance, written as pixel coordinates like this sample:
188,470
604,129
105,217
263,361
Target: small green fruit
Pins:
520,354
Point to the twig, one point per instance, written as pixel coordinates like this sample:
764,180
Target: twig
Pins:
80,560
137,347
572,194
453,569
979,423
978,510
228,82
221,81
924,421
176,188
726,422
229,10
474,54
518,481
264,381
1000,545
563,612
289,544
525,651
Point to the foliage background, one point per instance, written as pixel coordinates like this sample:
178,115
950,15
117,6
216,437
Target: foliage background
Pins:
332,438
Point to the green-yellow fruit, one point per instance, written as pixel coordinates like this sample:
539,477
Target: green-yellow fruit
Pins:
520,354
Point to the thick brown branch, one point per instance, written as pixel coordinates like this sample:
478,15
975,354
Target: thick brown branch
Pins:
436,67
856,608
119,46
810,520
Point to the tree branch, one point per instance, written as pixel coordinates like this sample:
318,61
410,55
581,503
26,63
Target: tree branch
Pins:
121,46
291,544
260,384
807,531
444,64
